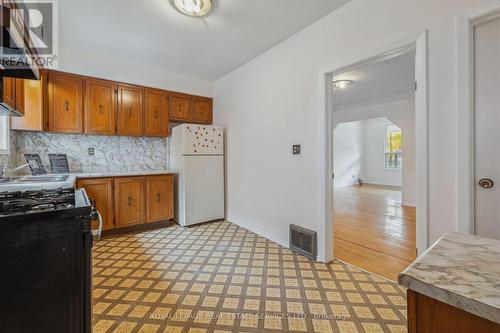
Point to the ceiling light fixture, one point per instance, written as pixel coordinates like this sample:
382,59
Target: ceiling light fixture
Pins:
195,8
341,84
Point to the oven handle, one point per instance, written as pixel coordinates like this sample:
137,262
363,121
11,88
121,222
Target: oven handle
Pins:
99,229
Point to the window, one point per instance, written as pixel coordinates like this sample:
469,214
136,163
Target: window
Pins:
393,141
4,135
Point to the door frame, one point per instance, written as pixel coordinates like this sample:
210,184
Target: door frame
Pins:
465,25
418,43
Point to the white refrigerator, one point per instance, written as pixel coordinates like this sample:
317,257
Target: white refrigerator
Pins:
197,158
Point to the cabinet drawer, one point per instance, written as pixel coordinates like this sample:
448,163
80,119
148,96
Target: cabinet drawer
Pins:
129,201
159,198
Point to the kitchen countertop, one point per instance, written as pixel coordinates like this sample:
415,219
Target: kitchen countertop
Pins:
462,271
104,174
72,177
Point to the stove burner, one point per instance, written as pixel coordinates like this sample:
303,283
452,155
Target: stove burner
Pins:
36,201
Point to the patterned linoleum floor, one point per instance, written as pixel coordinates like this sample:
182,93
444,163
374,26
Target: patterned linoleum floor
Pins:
221,278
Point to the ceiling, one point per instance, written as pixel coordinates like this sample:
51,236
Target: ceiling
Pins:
380,81
153,32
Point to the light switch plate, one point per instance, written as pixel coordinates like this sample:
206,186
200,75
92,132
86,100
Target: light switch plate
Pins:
296,149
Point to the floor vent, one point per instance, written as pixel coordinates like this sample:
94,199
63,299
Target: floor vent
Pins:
304,241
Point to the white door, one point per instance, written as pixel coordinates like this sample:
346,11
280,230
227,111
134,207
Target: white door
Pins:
487,129
204,188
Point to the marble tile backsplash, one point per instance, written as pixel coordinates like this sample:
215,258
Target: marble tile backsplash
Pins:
9,160
113,154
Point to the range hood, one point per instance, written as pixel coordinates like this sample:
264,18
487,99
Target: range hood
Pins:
17,52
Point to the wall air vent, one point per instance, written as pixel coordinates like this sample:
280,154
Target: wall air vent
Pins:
304,241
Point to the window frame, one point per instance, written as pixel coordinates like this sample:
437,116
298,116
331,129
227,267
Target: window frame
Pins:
4,135
387,152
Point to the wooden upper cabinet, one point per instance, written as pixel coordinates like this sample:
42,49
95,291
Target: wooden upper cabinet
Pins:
33,107
156,114
130,111
159,198
69,103
9,91
100,107
100,191
19,96
202,110
129,201
65,103
180,108
13,94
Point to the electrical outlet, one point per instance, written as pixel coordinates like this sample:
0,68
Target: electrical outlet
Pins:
296,149
91,151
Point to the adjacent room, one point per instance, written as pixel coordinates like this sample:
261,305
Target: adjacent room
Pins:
374,163
219,166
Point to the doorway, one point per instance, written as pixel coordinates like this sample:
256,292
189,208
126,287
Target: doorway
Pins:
374,162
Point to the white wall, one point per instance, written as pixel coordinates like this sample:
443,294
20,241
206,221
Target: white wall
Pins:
348,153
402,114
374,171
101,65
275,101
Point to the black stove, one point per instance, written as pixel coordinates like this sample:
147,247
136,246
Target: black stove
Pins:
46,256
36,201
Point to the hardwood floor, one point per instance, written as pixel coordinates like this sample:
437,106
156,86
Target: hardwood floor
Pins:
372,230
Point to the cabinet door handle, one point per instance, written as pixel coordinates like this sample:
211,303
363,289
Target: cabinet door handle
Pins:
66,106
156,114
158,197
129,201
100,108
130,112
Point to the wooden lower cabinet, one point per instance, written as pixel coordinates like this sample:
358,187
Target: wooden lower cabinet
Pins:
428,315
159,198
129,201
100,192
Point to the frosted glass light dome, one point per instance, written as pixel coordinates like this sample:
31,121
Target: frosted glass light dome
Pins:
195,8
